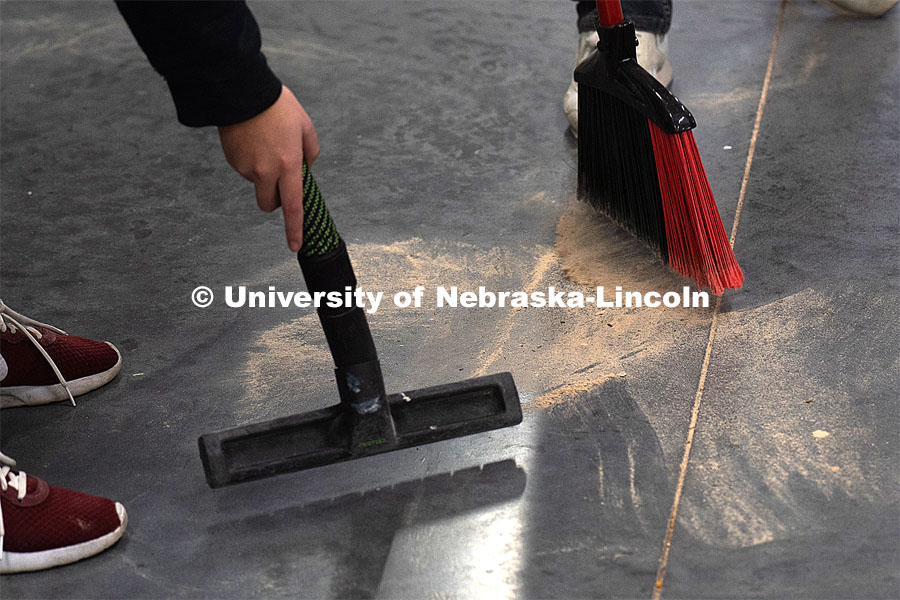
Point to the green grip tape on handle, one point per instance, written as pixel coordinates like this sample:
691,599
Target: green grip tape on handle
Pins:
320,236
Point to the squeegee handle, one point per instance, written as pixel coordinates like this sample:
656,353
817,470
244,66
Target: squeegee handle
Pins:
327,270
346,328
609,12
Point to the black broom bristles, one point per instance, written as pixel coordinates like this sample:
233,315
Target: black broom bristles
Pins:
616,168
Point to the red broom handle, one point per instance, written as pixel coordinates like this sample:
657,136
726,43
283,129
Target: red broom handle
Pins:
610,12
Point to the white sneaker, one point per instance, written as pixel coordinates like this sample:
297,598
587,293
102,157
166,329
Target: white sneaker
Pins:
651,54
861,8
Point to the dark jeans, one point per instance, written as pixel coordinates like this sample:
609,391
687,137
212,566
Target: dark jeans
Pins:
654,16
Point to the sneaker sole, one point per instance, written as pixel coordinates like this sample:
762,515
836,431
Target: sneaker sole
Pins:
21,562
36,395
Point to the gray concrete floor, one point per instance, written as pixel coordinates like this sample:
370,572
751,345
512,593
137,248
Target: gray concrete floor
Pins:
446,161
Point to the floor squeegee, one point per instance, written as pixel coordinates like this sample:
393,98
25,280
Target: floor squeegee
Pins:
366,421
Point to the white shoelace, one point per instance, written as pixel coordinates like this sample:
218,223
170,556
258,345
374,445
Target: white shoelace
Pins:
11,320
19,481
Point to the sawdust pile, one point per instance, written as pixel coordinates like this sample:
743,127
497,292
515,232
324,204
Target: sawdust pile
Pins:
593,251
549,350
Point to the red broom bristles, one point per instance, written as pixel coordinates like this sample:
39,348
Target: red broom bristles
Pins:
697,244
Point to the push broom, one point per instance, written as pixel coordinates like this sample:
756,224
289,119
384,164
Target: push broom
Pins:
366,421
638,162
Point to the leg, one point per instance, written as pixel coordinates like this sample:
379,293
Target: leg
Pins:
651,18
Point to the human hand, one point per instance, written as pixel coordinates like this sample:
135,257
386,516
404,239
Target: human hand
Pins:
269,150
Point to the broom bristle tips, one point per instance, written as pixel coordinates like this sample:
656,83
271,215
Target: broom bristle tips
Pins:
698,245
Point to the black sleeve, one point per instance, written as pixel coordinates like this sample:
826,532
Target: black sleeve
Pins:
209,54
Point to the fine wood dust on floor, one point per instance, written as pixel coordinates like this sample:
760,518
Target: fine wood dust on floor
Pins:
765,469
593,251
547,349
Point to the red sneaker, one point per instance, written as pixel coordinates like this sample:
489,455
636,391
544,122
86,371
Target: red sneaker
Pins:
43,526
46,365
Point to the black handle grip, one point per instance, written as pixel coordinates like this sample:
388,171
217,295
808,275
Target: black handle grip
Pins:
346,328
